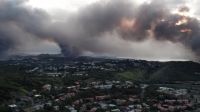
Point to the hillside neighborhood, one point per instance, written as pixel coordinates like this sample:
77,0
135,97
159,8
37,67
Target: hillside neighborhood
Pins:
57,84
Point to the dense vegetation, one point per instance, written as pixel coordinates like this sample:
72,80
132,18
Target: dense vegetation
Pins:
166,72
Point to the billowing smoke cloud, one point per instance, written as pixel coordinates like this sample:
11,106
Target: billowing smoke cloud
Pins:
18,24
114,27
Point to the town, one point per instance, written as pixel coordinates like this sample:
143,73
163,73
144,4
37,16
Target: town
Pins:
86,84
108,96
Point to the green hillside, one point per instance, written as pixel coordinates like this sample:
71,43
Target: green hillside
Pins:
169,71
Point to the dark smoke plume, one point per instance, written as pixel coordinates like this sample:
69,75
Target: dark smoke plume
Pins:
89,29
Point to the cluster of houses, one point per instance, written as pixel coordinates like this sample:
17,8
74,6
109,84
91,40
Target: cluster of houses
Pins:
91,97
57,66
103,96
172,91
173,100
75,68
